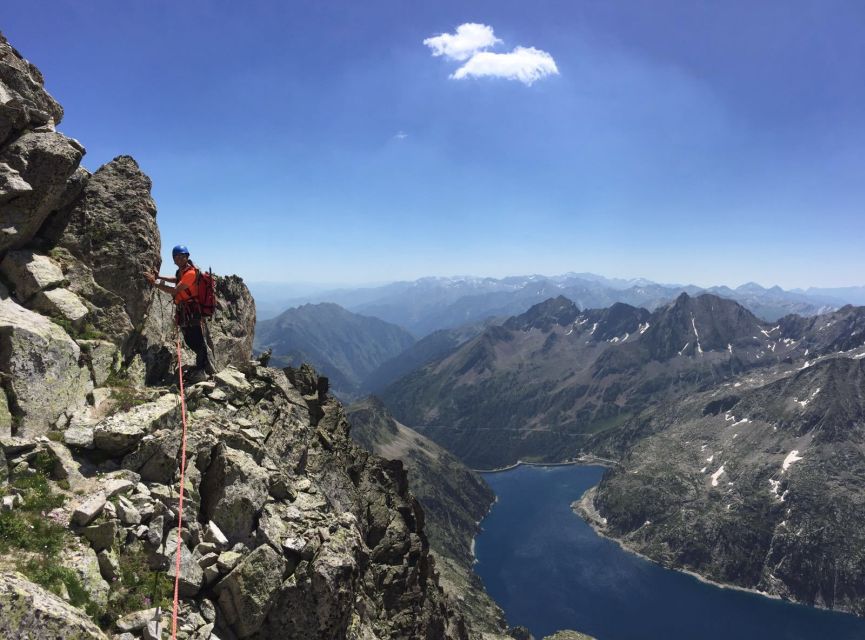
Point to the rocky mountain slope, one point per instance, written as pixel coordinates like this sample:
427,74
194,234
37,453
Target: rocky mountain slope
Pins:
289,529
758,482
428,349
344,346
454,500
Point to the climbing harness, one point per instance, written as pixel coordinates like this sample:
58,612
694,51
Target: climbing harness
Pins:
180,501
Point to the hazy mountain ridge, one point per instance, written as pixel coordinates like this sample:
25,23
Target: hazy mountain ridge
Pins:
428,304
344,346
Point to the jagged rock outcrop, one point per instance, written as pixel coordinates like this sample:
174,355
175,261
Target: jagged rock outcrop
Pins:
290,530
44,161
24,103
36,162
233,328
111,230
29,273
454,498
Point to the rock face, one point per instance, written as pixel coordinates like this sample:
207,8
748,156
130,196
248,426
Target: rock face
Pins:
454,498
32,613
44,161
233,327
112,230
29,273
45,377
24,103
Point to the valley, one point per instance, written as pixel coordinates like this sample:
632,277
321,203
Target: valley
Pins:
737,443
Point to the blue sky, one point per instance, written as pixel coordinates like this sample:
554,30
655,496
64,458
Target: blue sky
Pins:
323,141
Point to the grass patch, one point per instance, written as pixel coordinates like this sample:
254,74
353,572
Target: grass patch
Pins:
86,332
26,527
123,392
37,493
118,378
139,586
45,572
125,398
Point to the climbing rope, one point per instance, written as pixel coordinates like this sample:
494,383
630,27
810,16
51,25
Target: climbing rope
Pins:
180,502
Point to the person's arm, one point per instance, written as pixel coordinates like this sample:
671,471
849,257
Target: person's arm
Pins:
168,283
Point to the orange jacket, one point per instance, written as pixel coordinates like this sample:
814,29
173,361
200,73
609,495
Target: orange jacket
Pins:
189,277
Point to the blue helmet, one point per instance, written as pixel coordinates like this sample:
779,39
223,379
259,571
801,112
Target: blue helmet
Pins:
181,248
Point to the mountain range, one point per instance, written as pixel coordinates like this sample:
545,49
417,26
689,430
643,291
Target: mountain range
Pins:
429,304
547,382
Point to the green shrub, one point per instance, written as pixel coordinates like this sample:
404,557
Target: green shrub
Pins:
30,532
86,332
118,378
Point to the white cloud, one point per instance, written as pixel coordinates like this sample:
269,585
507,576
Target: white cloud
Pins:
400,135
469,39
525,64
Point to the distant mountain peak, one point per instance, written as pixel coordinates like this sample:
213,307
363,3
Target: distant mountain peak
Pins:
559,310
693,325
750,287
620,320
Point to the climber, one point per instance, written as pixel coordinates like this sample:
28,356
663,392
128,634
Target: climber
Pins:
184,288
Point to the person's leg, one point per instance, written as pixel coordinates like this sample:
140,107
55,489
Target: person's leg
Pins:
194,339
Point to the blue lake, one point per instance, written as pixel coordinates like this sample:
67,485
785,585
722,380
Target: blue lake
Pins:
549,570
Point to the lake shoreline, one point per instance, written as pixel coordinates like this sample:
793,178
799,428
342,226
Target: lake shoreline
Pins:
587,580
584,460
584,508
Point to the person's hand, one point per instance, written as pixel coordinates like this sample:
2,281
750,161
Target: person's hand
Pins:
150,277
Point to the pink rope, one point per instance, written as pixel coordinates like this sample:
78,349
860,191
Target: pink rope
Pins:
180,504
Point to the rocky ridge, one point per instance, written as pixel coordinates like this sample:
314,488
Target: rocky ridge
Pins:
289,529
454,498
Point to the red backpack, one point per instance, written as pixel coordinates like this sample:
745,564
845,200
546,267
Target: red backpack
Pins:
206,293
